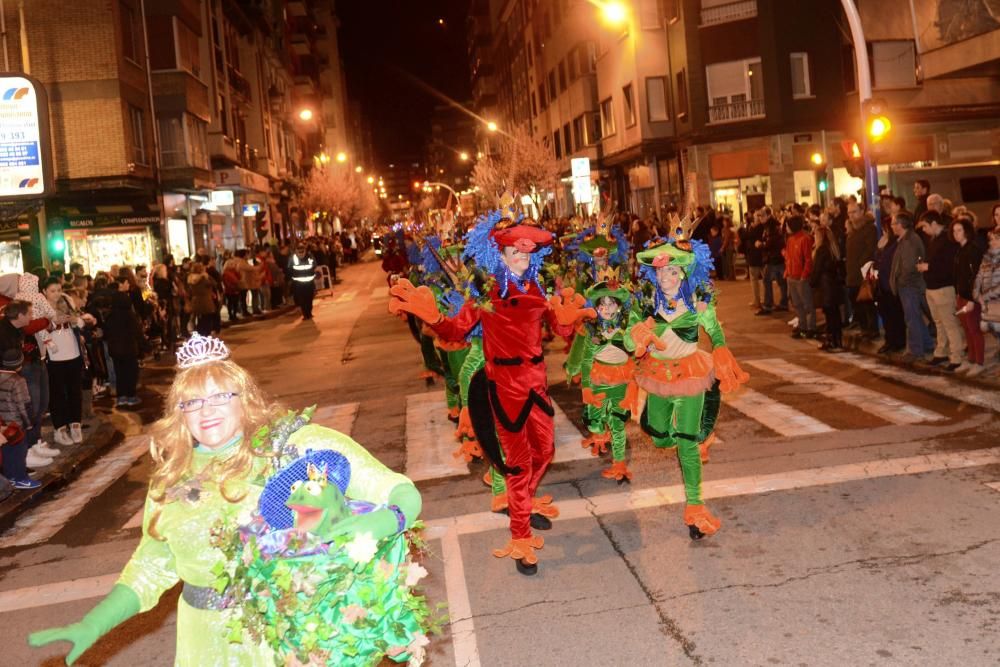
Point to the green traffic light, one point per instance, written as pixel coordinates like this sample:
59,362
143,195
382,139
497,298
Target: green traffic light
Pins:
822,186
58,245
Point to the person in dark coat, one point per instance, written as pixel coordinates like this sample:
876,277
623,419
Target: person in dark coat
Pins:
826,276
124,337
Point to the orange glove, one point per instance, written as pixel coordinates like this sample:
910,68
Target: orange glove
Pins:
729,373
417,300
590,398
464,428
642,334
631,400
569,307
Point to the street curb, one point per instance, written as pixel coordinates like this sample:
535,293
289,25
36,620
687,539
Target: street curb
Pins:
268,315
66,468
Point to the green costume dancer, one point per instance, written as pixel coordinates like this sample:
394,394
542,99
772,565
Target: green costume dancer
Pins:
608,374
674,372
201,496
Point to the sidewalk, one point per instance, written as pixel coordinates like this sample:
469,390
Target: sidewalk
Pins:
736,295
110,426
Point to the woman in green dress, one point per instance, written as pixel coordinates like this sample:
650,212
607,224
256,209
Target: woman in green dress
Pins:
217,444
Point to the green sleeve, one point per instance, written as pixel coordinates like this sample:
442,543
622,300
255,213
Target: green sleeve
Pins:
634,317
587,363
474,361
151,571
371,480
709,321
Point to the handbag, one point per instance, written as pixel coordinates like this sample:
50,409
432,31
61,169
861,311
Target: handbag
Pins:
12,432
866,293
991,311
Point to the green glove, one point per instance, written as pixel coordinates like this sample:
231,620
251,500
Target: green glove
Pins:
383,523
120,605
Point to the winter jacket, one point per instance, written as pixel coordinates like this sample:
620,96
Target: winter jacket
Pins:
774,243
825,276
798,256
909,248
201,289
755,255
967,261
122,329
15,400
231,280
986,288
941,262
860,249
883,263
244,269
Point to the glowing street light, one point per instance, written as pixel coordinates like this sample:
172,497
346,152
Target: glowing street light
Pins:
463,156
491,126
613,13
817,159
341,156
358,169
306,115
371,180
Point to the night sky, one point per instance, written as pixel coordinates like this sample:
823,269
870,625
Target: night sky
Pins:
378,38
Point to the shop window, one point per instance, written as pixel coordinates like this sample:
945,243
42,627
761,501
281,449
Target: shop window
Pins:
893,64
628,105
656,98
592,127
552,85
801,87
682,93
137,125
607,118
130,34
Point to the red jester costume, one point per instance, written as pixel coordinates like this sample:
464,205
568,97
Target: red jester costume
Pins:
513,397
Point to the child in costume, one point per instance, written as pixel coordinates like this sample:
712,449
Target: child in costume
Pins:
218,446
608,373
508,399
672,370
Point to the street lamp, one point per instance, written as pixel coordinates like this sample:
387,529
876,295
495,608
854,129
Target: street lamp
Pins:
341,156
463,156
358,169
491,126
306,115
371,180
613,13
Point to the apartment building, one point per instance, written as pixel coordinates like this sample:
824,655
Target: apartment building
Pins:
179,126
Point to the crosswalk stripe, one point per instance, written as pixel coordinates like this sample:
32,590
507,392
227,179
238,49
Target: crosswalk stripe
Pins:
430,439
638,499
346,296
885,407
943,386
46,520
567,438
780,418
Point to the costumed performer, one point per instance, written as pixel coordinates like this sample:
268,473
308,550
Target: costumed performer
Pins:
608,382
673,371
508,400
215,450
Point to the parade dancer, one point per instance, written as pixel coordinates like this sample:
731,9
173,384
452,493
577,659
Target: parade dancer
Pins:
215,450
509,400
672,370
608,373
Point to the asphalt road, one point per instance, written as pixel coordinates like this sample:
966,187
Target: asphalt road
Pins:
859,520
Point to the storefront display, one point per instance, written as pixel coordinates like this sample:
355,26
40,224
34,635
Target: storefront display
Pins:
10,257
99,250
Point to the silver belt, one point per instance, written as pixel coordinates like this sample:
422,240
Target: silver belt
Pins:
204,597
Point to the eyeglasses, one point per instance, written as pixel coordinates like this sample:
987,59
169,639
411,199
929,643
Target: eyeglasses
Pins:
195,404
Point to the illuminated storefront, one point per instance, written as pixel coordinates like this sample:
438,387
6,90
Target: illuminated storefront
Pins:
100,241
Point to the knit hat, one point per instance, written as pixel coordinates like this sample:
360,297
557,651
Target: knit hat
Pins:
13,358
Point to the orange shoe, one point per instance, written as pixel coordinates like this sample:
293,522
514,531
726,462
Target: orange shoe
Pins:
598,443
469,450
488,479
499,503
703,447
544,506
700,521
453,413
618,472
576,379
523,551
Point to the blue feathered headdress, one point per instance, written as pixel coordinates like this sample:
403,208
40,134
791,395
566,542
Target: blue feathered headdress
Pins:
482,248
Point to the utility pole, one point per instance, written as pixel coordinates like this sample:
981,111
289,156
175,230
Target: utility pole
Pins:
864,96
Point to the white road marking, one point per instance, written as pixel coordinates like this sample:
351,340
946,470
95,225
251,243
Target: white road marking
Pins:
47,519
567,439
994,485
958,391
346,296
463,631
380,292
430,439
338,417
780,418
739,486
881,405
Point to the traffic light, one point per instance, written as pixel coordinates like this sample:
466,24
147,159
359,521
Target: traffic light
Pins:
57,245
819,170
853,162
878,128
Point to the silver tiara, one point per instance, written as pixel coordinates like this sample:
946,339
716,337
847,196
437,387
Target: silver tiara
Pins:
201,350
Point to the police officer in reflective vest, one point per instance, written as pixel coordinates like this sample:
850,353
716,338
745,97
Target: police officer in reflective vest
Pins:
302,267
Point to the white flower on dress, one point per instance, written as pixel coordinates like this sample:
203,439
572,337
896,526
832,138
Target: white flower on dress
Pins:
416,649
362,548
414,573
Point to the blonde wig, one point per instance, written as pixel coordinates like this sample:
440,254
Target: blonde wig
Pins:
172,444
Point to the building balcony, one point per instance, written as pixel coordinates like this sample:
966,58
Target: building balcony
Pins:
221,148
239,84
731,11
177,91
735,112
300,45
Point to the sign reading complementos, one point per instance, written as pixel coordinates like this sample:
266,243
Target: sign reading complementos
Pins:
24,134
